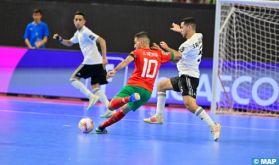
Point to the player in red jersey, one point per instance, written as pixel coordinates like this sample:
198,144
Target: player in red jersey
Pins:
140,85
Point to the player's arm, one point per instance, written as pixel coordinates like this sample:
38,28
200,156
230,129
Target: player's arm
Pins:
156,46
176,28
62,41
103,46
177,55
121,65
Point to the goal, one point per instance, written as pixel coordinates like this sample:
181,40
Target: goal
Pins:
245,75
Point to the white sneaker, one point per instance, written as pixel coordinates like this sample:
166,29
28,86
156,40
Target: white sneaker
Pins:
92,101
154,120
108,114
216,131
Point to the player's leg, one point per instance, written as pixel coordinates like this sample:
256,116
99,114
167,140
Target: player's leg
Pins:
103,98
75,81
189,88
120,100
162,87
117,116
98,77
132,105
127,94
192,106
96,89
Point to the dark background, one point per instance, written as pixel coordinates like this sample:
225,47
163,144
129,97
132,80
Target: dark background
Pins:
116,21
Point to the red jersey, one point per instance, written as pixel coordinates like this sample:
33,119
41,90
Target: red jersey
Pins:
147,64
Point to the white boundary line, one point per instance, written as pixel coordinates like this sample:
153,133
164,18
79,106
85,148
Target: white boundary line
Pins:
175,123
81,103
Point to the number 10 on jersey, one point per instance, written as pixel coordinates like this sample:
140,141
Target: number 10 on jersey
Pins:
148,64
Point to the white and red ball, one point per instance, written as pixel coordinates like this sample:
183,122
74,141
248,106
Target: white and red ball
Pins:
86,125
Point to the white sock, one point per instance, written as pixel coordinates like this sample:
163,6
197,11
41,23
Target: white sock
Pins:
161,101
200,112
102,96
79,85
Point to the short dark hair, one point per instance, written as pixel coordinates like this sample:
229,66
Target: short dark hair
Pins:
190,20
142,35
80,13
37,11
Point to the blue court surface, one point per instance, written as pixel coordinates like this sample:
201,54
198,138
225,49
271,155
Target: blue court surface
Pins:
44,132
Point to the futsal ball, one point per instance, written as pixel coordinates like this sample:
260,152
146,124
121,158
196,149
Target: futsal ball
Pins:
86,125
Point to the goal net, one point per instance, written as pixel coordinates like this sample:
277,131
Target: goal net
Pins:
246,58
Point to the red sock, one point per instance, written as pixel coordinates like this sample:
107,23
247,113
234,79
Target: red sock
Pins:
118,102
113,119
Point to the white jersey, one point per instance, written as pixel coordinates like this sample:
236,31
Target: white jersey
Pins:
87,43
191,51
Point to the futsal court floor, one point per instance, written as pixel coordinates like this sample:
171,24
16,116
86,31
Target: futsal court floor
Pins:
39,131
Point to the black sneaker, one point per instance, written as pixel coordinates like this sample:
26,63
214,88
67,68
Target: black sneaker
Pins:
101,131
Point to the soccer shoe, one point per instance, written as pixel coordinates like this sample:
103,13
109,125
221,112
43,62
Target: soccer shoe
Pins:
134,97
101,131
215,131
154,120
108,114
92,101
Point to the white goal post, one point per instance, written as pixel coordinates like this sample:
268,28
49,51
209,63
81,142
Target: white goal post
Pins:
245,76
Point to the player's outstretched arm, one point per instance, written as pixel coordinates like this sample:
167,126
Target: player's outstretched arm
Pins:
176,28
62,41
124,63
177,55
156,46
103,45
121,65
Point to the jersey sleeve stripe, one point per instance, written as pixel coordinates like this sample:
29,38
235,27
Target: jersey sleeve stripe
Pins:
131,54
172,56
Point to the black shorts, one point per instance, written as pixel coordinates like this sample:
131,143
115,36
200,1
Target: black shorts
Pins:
187,85
97,73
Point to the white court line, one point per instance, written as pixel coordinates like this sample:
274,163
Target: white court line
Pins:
50,102
38,113
175,123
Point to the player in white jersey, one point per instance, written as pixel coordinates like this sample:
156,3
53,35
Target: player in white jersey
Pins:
93,65
188,79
